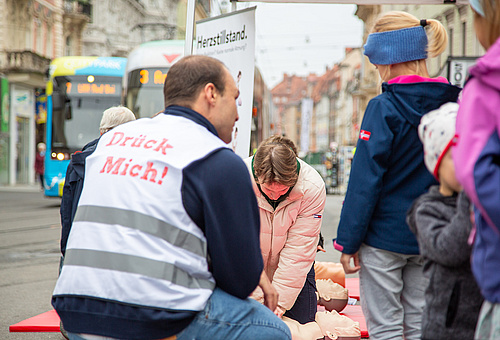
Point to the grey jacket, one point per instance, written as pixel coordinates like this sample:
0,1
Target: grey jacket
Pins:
452,299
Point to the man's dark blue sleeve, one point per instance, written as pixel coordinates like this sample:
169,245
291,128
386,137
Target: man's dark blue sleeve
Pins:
218,196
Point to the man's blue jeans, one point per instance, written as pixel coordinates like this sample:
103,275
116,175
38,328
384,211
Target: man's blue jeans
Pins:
226,317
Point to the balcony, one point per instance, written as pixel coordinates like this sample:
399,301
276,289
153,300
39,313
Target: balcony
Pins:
78,7
23,62
77,13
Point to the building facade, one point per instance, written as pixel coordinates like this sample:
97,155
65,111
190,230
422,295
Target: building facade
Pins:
33,32
325,94
262,112
288,98
117,26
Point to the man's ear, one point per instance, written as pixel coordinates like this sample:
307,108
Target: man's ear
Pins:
210,93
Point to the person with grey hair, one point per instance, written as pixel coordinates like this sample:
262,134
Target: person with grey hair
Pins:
115,116
73,184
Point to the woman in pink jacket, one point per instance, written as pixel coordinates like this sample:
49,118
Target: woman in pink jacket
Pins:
291,197
476,156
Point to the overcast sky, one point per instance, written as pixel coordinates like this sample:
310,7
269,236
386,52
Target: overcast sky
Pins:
302,38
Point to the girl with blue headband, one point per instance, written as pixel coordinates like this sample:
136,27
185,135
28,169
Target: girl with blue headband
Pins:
388,173
476,156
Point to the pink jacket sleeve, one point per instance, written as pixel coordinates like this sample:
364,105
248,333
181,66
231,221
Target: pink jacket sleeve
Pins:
477,147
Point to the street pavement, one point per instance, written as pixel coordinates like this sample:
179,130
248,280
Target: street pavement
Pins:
29,254
29,257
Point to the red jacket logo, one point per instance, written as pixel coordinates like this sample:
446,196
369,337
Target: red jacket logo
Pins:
364,135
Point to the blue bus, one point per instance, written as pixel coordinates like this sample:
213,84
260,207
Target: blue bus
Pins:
78,91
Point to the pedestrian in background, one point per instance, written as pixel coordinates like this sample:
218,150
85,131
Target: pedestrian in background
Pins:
388,173
441,221
476,156
39,163
291,196
165,240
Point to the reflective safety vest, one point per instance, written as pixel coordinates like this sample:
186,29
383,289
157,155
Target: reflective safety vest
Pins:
132,241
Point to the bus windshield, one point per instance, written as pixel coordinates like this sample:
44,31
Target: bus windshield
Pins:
75,121
145,75
145,91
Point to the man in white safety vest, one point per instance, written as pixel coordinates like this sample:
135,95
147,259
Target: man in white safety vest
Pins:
165,240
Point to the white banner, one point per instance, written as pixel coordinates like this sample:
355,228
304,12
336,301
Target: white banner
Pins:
231,39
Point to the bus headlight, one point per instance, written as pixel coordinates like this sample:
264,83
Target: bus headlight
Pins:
60,156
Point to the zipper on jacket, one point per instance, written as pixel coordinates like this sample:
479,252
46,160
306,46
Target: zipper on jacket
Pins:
272,237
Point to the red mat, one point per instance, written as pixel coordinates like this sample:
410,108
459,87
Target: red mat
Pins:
45,322
352,285
355,313
49,321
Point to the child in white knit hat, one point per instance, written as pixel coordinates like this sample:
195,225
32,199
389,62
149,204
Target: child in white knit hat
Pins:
441,221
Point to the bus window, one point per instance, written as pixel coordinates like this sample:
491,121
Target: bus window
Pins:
77,121
145,91
147,67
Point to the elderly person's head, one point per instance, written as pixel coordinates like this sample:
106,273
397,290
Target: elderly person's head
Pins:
275,166
41,147
115,116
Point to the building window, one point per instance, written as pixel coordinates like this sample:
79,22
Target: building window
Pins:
49,49
67,50
451,41
464,38
450,20
28,42
39,36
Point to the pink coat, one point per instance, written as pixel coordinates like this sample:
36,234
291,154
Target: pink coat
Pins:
289,235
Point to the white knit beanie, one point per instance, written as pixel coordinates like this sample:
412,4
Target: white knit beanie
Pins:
436,131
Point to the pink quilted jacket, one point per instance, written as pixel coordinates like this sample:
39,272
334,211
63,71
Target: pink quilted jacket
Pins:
289,235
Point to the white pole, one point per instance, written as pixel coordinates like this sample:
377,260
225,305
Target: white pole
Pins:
188,42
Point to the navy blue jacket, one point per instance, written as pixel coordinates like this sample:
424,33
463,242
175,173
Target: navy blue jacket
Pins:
72,190
388,170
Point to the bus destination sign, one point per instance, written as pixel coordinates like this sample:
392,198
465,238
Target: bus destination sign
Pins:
91,88
152,77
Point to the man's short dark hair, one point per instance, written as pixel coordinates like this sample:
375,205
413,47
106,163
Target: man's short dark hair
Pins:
188,77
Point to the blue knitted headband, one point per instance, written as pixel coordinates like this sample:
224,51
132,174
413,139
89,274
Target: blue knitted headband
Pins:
394,47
